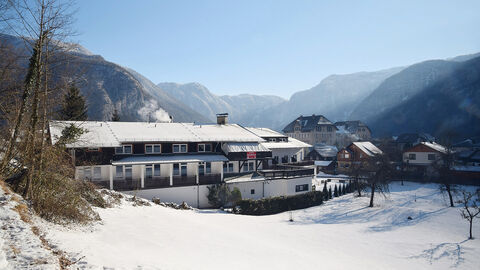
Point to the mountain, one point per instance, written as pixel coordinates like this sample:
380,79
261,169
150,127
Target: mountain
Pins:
199,98
107,86
401,87
334,97
447,105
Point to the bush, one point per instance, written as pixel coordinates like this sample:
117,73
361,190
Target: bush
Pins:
219,195
276,205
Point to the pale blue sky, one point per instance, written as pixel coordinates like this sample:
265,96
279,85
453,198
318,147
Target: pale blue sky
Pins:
273,47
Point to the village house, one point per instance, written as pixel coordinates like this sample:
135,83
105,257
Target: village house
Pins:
312,130
424,154
408,140
175,162
357,153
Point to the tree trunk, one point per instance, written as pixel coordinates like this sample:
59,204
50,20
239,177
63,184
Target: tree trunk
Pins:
449,191
471,221
372,194
358,188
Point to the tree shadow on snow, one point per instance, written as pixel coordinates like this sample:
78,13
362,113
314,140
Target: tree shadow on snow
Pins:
448,251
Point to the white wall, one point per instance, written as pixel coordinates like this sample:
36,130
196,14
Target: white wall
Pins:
421,158
271,188
177,195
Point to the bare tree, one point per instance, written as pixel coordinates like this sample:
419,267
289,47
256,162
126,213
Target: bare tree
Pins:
380,172
443,171
356,171
471,207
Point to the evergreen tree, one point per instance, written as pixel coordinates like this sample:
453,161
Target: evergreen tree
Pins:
74,108
335,191
115,116
330,193
325,191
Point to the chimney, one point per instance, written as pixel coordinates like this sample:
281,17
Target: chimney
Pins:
222,118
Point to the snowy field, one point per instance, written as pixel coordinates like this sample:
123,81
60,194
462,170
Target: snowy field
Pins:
341,234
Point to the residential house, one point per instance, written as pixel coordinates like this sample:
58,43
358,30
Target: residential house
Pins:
356,153
424,154
284,149
171,161
323,152
312,130
408,140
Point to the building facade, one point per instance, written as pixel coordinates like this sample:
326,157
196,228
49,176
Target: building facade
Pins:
312,130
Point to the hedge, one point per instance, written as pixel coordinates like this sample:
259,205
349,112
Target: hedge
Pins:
269,206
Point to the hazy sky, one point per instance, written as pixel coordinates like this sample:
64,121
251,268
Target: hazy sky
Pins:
273,47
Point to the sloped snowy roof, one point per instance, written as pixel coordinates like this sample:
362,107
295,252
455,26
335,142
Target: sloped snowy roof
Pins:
265,132
435,146
323,163
326,150
114,133
368,148
97,134
292,143
235,147
135,160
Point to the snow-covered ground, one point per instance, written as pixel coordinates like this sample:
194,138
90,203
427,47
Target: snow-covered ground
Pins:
341,234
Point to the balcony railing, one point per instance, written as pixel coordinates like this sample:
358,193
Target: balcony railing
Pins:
288,173
210,179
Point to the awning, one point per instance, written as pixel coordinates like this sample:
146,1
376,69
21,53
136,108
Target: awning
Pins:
243,147
138,160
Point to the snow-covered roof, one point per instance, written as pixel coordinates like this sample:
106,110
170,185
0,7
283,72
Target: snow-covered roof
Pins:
435,146
326,150
467,168
97,134
235,147
136,160
368,148
322,163
114,133
292,143
266,132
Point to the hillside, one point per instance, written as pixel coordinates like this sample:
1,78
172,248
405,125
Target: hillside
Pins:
341,234
107,85
447,105
198,97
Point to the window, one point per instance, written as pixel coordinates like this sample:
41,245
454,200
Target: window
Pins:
294,158
128,172
204,147
156,170
300,188
93,149
272,140
227,167
97,173
179,148
285,159
412,156
119,171
87,173
148,171
346,155
431,156
282,139
124,149
153,148
249,166
329,129
252,191
180,169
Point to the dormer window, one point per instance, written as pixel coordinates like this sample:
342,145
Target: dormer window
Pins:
297,128
180,148
153,148
204,147
124,149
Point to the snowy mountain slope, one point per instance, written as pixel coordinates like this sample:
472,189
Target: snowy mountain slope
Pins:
198,97
341,234
447,106
107,86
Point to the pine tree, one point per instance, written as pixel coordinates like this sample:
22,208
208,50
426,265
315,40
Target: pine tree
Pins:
335,191
325,191
115,116
74,108
330,193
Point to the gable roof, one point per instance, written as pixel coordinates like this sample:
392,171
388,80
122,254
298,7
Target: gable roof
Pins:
103,134
308,123
325,150
368,148
431,146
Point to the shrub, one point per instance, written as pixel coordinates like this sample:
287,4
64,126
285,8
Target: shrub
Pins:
280,204
219,195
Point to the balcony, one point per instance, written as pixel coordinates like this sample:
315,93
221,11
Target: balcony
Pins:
286,173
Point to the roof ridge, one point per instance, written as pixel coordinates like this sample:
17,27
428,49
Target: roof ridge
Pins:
111,131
